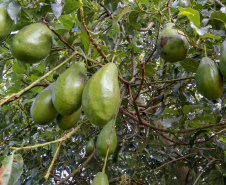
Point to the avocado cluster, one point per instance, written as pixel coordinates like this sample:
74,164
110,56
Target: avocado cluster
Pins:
99,98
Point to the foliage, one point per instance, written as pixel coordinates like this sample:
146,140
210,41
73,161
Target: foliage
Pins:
164,126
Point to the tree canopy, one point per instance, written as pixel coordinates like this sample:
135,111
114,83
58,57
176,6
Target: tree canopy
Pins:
167,131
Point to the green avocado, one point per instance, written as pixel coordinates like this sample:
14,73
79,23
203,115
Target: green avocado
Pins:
100,179
32,44
100,99
68,121
42,109
5,22
90,146
172,45
104,137
67,93
209,80
222,64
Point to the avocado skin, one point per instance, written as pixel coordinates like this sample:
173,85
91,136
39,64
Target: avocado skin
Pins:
32,44
69,121
209,80
67,93
42,109
100,179
103,140
172,45
90,146
5,22
222,64
100,99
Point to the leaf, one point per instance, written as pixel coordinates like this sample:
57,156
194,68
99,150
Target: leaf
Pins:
134,17
190,65
85,41
150,71
218,16
13,10
11,170
70,6
192,15
57,9
209,35
201,31
188,108
118,15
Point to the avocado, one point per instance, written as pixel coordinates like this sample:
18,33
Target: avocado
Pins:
172,45
5,22
100,99
67,92
100,179
104,137
209,80
90,146
42,109
67,122
32,44
222,64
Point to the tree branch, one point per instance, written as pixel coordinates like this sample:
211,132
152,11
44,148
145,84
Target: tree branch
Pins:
78,169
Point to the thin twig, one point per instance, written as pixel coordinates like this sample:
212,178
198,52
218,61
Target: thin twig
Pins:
78,169
205,169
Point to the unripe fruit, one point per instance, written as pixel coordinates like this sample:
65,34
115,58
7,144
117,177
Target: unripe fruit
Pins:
5,22
32,44
42,109
172,45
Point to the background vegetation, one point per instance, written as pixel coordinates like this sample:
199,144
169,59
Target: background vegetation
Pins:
167,132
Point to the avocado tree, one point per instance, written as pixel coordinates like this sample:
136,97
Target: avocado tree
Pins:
150,115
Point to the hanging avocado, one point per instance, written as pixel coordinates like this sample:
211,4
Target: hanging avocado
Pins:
103,139
100,179
5,22
67,93
42,109
68,121
222,64
32,44
209,80
172,45
100,99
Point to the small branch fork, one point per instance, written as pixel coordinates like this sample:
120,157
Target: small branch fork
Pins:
144,123
93,41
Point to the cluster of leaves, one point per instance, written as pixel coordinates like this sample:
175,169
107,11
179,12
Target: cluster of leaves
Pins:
154,91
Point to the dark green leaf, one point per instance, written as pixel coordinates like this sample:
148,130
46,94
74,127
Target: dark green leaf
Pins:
190,65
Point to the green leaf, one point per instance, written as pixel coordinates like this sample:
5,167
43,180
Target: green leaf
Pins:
134,17
192,15
149,71
85,41
209,35
11,170
13,10
119,13
70,6
218,16
190,65
188,108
